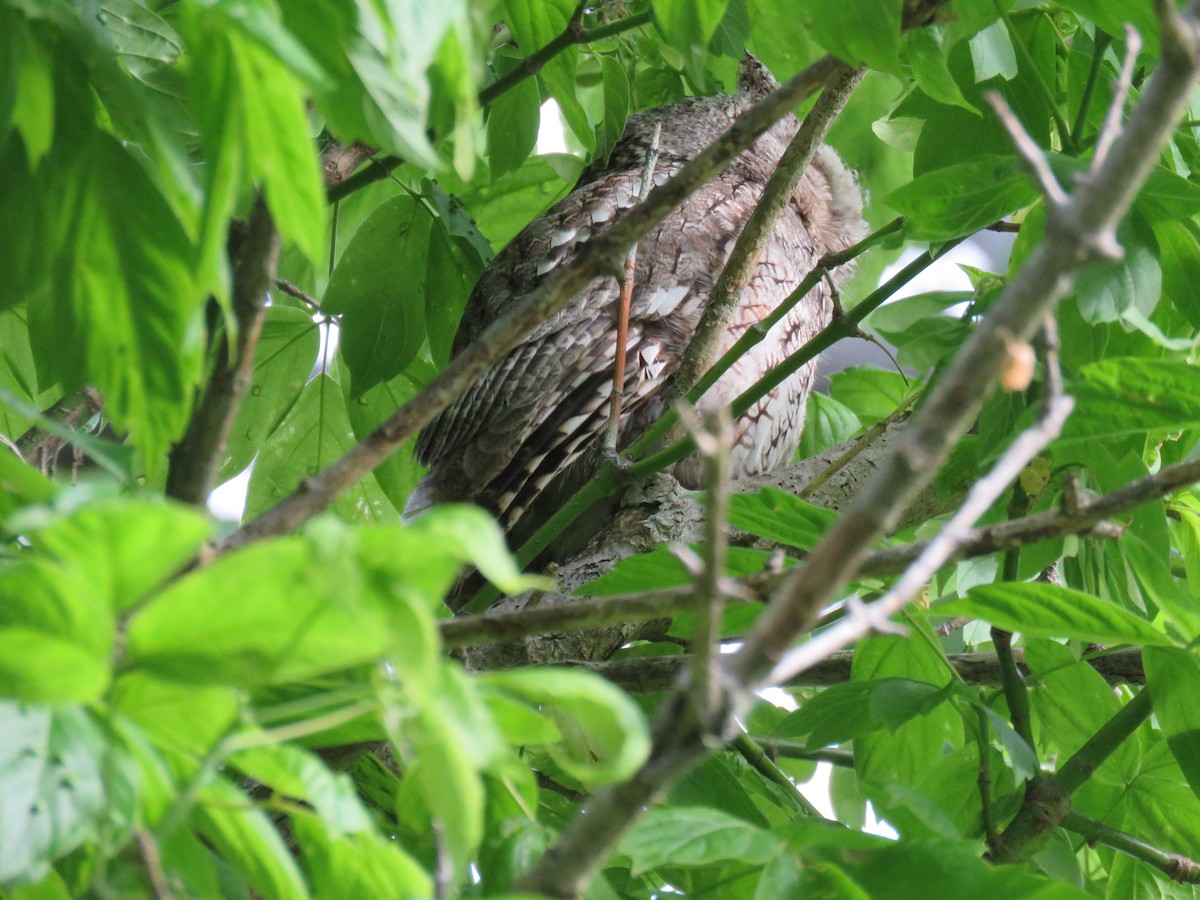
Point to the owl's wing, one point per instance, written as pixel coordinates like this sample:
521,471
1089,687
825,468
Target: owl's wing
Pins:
535,411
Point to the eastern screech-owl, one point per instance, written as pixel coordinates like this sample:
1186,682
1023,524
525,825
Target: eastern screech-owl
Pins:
536,411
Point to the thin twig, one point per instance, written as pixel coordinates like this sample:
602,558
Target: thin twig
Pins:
1174,865
154,866
625,300
756,756
984,779
795,750
1089,517
292,291
1030,152
1112,120
714,440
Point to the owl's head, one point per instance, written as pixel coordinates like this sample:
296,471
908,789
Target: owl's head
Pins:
828,197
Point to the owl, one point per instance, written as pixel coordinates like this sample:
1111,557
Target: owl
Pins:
520,435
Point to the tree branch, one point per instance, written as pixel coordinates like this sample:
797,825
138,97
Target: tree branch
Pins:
1048,801
196,459
755,754
1174,865
579,614
655,674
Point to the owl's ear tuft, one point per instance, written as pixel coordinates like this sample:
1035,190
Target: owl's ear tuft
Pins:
755,80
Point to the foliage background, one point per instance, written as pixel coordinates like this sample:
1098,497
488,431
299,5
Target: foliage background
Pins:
141,693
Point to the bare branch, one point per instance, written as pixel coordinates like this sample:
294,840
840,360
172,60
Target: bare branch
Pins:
292,291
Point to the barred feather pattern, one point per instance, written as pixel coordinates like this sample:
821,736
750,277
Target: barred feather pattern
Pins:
541,407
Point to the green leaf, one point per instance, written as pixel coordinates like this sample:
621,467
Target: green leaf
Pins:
907,870
36,667
662,569
827,424
512,124
992,53
960,199
248,841
1024,760
695,836
360,865
308,617
454,266
605,734
442,768
719,783
1179,257
187,718
845,712
1173,679
379,288
315,433
926,55
1105,293
535,25
56,600
293,772
897,320
286,354
53,796
866,31
508,204
259,122
1132,395
124,547
21,485
399,473
914,754
1047,610
18,372
616,106
781,517
124,306
688,26
472,535
871,394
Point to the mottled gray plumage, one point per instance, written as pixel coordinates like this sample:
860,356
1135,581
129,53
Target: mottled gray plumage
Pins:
538,409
